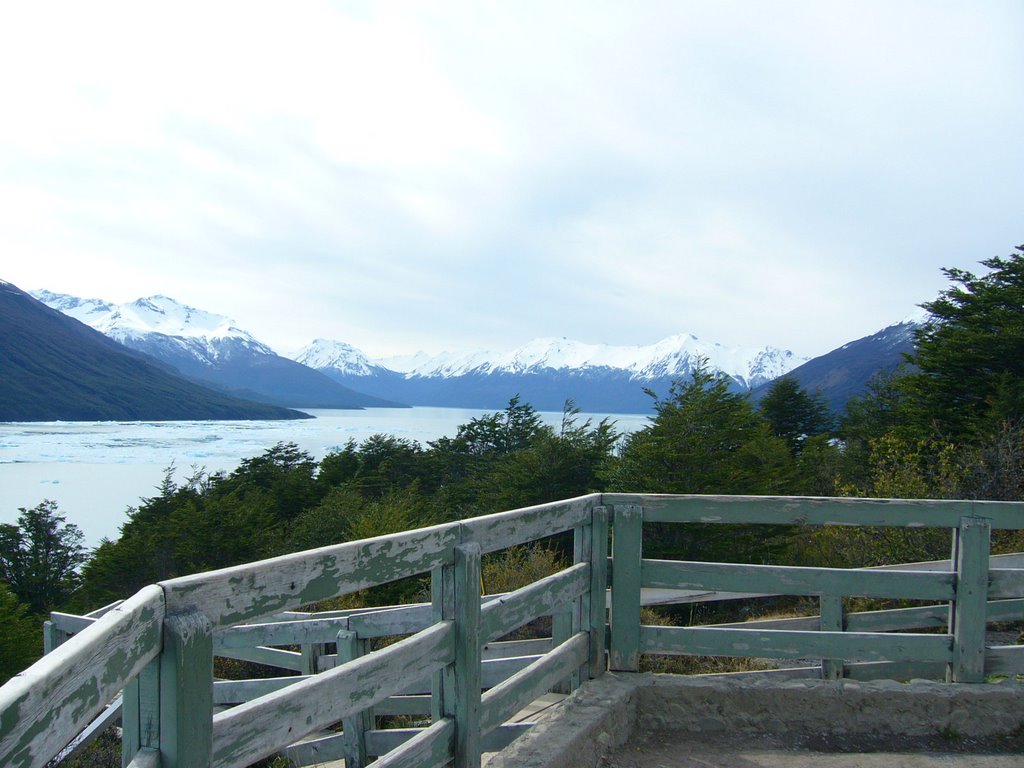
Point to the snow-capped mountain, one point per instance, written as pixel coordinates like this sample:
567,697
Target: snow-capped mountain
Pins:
546,372
674,356
206,337
210,348
326,354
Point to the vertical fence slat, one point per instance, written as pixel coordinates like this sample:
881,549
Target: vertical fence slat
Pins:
442,597
972,552
627,537
353,728
467,655
831,620
598,590
140,713
186,691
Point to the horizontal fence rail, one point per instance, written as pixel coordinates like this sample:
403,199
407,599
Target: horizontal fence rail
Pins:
452,668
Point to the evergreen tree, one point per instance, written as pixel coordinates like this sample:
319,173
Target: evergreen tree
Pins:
40,557
970,356
794,414
704,438
21,641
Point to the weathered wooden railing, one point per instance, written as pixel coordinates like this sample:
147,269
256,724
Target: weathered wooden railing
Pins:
449,670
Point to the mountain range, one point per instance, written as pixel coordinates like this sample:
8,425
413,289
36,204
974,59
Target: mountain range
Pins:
53,367
210,349
545,372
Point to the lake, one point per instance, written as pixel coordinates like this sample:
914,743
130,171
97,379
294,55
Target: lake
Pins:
96,470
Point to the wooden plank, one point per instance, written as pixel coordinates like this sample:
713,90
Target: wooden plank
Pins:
468,640
896,670
271,657
1005,660
627,537
45,706
393,621
504,700
69,623
968,630
259,728
247,592
241,691
433,746
1004,610
140,721
598,589
317,752
508,649
415,705
356,725
1006,582
146,758
279,633
795,580
186,691
384,742
521,526
108,717
548,595
492,672
784,644
442,601
831,620
793,510
918,617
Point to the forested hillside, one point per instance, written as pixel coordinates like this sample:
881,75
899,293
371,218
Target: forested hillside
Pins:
950,429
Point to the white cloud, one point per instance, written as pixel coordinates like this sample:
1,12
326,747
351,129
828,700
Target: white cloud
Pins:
449,174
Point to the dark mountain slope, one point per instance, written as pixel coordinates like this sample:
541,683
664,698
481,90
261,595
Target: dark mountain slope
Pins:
845,372
53,367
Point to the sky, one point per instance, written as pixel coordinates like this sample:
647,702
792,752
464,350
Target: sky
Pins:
447,176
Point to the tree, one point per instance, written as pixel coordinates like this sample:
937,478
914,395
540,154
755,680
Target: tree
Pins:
970,356
21,641
704,438
40,556
795,414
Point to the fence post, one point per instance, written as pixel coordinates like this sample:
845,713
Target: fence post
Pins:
598,610
831,620
353,728
311,653
467,655
971,544
186,691
442,598
140,713
627,538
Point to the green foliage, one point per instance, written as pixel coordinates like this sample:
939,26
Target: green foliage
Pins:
40,557
516,567
794,414
970,357
21,641
704,439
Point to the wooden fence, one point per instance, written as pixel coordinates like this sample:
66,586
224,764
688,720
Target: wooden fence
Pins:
449,671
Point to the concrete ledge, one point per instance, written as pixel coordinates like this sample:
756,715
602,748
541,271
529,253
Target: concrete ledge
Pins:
606,713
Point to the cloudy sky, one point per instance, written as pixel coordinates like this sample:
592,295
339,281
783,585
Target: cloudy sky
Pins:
448,175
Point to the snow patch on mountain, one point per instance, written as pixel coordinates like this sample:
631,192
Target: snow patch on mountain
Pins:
336,355
675,356
204,335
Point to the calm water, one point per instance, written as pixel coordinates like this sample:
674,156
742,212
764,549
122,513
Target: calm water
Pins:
96,470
